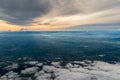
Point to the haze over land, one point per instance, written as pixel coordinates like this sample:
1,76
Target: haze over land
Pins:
17,15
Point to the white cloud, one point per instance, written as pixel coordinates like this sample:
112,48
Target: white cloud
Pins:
11,67
10,76
85,70
31,70
94,71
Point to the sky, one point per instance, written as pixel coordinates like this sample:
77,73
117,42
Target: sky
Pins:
49,15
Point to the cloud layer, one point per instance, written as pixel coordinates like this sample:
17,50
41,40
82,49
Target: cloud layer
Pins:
58,12
77,70
22,11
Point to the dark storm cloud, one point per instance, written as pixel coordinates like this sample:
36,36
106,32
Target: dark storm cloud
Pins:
22,11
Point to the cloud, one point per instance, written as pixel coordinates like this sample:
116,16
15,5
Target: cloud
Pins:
22,11
77,12
75,70
70,7
31,70
80,70
10,76
58,14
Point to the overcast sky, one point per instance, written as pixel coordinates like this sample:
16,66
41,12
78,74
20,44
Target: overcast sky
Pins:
16,15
